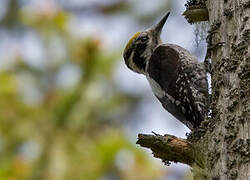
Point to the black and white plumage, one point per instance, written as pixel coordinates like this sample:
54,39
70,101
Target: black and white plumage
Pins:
176,77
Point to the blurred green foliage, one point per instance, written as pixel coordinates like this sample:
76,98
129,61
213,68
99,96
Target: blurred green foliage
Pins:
70,133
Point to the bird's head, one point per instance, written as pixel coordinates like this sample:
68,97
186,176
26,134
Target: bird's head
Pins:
141,46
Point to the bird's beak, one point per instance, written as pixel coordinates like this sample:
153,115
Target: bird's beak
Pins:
158,27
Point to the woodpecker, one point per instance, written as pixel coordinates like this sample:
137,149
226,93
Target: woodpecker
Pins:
176,77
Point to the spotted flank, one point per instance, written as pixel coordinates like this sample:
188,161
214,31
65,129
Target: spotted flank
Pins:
171,69
131,40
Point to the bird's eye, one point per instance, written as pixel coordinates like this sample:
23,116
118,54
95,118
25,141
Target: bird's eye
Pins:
144,38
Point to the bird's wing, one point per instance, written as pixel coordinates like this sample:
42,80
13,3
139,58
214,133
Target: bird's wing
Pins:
183,80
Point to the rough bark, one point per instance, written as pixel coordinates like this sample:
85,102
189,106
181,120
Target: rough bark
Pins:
196,11
228,140
223,141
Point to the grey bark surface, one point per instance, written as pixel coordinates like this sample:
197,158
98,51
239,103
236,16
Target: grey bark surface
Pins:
228,139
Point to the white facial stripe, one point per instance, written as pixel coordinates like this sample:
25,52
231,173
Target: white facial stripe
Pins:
133,66
146,54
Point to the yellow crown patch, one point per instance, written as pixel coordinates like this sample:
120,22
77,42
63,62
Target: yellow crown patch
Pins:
131,40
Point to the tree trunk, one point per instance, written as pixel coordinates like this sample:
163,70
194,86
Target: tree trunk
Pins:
228,141
220,148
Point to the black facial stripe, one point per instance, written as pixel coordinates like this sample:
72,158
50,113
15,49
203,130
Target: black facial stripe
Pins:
139,61
127,54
